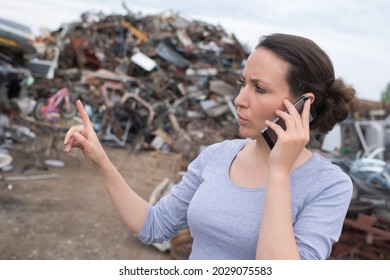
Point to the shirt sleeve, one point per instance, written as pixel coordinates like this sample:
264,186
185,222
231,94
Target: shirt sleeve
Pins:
169,215
320,222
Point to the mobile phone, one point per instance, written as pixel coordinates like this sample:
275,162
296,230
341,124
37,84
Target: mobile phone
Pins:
271,137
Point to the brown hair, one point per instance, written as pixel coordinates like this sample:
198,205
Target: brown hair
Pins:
311,70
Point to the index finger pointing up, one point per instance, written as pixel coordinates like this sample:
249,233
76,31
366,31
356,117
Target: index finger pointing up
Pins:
83,114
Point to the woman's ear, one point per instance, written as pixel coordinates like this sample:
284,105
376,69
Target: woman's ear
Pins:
311,96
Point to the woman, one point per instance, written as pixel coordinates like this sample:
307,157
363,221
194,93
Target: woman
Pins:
241,199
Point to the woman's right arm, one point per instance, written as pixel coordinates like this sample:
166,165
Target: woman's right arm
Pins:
132,208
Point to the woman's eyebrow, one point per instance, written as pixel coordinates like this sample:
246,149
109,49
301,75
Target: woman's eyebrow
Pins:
255,81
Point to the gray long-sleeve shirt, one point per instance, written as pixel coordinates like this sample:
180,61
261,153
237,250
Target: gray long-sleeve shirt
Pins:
225,219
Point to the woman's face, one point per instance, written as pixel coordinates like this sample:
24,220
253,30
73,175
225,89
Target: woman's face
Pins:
263,89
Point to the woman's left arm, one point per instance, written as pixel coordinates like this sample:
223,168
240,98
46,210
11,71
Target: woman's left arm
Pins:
276,237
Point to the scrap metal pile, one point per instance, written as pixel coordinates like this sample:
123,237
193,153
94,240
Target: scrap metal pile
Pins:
158,82
166,83
366,231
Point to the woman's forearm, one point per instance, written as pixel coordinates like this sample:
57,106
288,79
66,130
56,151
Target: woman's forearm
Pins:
131,207
276,238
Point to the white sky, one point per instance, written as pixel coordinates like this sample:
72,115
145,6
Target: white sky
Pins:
355,33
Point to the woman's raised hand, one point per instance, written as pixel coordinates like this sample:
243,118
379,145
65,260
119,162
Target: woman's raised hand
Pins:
84,137
292,140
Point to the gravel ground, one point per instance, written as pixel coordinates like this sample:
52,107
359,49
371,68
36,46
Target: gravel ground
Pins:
72,216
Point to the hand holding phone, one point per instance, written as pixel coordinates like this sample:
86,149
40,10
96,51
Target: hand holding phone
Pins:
271,137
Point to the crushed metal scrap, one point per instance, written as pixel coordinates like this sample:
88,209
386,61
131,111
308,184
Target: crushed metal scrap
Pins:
159,82
366,230
364,237
166,83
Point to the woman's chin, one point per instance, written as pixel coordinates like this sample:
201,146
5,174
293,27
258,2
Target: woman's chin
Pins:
248,134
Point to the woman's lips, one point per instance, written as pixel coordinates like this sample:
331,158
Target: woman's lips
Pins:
241,120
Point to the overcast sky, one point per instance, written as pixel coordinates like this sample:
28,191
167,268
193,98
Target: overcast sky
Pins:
355,33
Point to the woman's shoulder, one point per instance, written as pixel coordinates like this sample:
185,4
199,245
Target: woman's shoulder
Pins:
322,174
326,165
218,152
231,145
222,150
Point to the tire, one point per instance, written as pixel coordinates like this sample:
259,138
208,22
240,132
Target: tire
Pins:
68,114
37,112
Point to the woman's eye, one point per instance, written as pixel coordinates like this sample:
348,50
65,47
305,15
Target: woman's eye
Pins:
260,89
241,83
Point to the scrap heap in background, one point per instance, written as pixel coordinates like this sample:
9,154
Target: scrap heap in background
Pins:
156,82
166,83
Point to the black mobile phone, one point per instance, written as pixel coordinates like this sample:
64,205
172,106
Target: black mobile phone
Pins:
271,137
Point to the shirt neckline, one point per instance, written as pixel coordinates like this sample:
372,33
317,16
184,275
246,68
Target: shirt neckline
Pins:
261,187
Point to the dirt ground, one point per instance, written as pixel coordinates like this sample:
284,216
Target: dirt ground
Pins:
72,216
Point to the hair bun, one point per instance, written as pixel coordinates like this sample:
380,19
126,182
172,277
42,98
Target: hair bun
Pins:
335,107
338,91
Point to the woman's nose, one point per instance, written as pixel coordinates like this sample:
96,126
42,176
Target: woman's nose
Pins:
240,100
